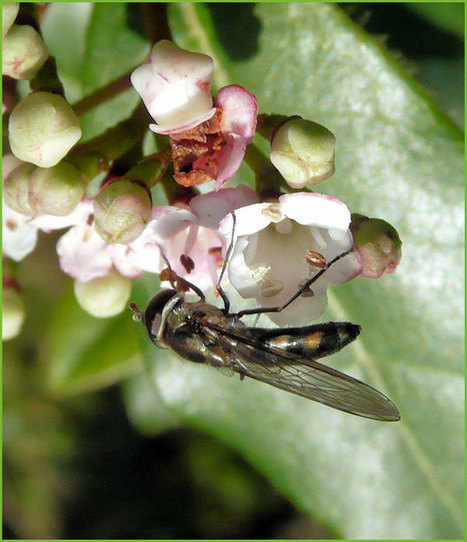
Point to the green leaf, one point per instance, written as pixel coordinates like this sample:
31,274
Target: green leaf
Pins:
448,16
398,158
85,353
114,46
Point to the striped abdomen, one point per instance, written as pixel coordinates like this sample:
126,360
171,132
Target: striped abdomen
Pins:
310,342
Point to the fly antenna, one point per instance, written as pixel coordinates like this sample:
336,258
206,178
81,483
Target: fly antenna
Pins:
137,314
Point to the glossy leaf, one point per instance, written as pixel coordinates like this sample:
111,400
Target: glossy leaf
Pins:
398,158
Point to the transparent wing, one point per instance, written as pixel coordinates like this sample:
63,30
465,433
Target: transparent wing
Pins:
303,377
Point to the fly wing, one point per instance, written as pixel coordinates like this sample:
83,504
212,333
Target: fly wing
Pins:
303,377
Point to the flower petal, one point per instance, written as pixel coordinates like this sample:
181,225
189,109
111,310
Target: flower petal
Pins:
83,254
18,236
239,111
210,208
175,87
313,209
78,216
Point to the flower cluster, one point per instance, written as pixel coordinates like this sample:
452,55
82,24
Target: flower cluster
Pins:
123,231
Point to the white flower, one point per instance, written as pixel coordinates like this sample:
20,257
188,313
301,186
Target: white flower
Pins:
192,236
19,237
175,86
271,242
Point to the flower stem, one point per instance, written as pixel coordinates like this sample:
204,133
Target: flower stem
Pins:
268,179
103,95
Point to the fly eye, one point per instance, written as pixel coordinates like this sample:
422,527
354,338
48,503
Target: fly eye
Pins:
156,324
153,312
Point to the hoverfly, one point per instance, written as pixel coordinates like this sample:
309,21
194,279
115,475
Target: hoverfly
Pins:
282,357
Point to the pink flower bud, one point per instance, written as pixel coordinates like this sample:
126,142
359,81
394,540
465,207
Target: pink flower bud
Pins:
378,245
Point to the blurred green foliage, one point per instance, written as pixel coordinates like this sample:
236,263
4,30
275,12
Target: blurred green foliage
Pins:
162,455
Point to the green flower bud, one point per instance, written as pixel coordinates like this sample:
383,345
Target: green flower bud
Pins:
23,52
303,152
16,189
122,211
9,163
104,296
42,129
378,245
56,190
9,13
13,313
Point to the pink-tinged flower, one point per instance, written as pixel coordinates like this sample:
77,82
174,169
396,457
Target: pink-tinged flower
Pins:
279,246
175,86
186,237
190,238
82,253
215,149
239,112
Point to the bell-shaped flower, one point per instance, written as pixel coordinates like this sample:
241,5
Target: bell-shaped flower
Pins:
280,246
215,149
175,86
189,238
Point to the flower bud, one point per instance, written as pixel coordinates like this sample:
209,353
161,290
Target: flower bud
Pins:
104,296
43,128
16,189
56,190
122,211
378,245
303,152
9,163
175,87
23,52
13,313
9,13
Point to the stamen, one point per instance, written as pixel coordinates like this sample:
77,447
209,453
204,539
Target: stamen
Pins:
259,272
273,212
315,259
187,263
308,292
272,287
11,224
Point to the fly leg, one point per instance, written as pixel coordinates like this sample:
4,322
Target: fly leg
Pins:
224,267
304,287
